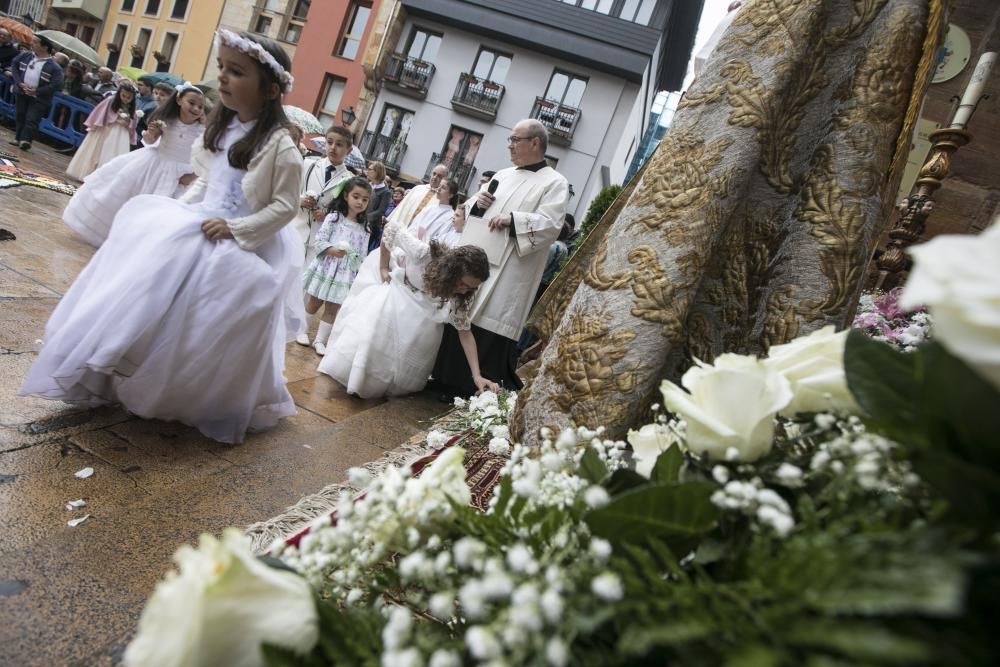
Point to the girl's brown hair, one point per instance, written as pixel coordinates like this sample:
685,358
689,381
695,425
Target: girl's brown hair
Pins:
447,267
171,109
271,117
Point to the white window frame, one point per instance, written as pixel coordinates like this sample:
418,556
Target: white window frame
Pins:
148,52
128,29
159,9
354,5
177,46
328,79
187,12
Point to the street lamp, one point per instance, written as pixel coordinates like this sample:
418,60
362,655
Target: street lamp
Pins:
347,116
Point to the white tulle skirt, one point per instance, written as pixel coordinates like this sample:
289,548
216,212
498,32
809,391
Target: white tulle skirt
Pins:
99,147
93,208
386,336
176,327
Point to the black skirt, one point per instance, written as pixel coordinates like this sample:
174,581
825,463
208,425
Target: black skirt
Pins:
497,362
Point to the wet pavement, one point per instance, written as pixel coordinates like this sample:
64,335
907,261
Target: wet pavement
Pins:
72,595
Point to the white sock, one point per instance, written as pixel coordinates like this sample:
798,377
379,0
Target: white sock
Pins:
324,332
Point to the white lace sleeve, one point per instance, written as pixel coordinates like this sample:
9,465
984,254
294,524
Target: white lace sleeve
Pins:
410,244
459,318
389,234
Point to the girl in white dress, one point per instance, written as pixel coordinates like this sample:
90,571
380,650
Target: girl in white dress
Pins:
434,220
181,313
110,132
163,167
338,248
385,339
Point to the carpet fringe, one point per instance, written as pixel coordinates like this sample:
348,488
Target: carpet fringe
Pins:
264,533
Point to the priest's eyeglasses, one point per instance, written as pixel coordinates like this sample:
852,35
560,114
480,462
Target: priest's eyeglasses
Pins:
513,139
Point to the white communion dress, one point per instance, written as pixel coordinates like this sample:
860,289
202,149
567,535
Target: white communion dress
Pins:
153,170
386,335
174,326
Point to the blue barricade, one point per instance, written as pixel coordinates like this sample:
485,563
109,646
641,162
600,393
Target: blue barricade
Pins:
6,96
64,120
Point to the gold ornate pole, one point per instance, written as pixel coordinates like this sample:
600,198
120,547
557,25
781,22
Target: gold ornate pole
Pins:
913,211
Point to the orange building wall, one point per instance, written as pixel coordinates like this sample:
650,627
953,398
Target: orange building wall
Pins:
314,57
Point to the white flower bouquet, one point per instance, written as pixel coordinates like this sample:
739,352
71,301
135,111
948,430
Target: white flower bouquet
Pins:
833,503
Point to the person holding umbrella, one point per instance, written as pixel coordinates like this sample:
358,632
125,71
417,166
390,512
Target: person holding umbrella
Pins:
37,77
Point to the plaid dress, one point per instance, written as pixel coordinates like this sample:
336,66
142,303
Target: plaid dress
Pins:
329,278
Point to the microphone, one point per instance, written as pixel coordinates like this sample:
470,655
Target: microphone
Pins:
491,188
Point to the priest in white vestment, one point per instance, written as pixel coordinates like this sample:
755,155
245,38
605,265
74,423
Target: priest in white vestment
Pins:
418,198
528,207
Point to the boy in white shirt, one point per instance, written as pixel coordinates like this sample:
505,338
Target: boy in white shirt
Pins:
321,178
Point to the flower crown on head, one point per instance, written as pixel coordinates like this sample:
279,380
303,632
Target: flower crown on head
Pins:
229,38
183,87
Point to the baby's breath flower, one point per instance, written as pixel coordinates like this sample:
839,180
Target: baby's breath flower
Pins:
607,586
482,643
443,658
600,549
556,652
519,558
596,496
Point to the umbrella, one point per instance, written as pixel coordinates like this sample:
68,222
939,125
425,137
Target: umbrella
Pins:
164,77
355,159
72,46
17,30
132,72
308,122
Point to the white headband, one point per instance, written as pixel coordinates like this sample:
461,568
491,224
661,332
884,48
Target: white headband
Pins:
187,85
229,38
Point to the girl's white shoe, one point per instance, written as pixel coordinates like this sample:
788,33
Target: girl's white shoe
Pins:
320,347
302,339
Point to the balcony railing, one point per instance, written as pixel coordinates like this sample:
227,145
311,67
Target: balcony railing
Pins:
477,97
380,148
560,120
409,75
463,173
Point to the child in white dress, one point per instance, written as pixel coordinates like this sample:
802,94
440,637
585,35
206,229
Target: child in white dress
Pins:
110,132
163,167
338,248
385,340
181,313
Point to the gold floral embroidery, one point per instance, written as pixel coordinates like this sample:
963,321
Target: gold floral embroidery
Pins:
837,221
782,324
586,367
680,180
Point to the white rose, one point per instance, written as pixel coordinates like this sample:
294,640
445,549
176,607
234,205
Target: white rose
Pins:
814,366
731,404
957,277
219,608
647,444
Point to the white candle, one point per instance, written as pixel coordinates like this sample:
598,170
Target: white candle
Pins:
974,90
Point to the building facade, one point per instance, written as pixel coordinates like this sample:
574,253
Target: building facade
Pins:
28,12
160,35
329,61
463,72
281,20
83,19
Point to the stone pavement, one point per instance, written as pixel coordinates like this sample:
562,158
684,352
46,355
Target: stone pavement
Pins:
72,596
